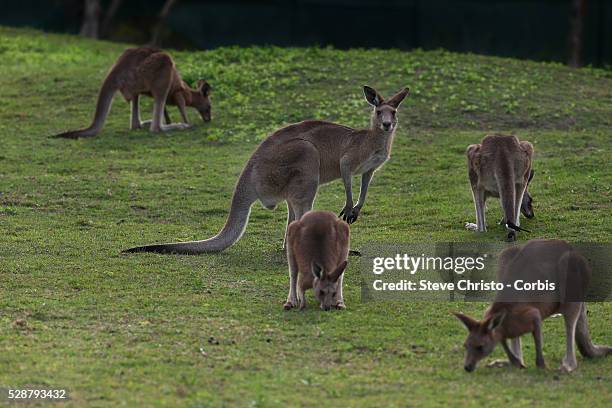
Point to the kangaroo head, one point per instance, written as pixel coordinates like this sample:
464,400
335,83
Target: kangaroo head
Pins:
481,339
326,284
201,101
384,113
526,204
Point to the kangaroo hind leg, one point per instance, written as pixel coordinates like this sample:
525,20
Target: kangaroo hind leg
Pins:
159,91
292,297
520,192
479,204
305,202
290,219
303,183
478,193
571,315
135,122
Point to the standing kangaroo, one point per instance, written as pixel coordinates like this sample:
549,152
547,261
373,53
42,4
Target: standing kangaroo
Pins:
501,167
294,161
147,71
543,260
317,252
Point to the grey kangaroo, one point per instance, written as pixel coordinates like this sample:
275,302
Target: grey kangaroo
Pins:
500,166
317,251
152,72
538,260
294,161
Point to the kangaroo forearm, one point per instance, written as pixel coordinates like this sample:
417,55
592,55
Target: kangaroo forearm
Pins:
511,356
345,171
183,113
365,183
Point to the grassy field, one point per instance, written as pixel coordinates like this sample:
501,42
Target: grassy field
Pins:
153,330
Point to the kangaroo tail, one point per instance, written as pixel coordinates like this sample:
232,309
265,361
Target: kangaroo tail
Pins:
244,197
105,99
583,338
507,192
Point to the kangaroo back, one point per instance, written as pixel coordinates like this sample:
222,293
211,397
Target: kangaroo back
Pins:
574,277
242,200
327,238
105,99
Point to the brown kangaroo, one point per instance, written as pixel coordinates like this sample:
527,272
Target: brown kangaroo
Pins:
501,167
543,260
317,252
147,71
291,163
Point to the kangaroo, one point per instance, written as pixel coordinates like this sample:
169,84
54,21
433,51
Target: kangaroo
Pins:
501,167
317,252
147,71
552,260
294,161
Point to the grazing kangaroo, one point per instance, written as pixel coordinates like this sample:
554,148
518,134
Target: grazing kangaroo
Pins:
317,252
501,167
294,161
147,71
543,260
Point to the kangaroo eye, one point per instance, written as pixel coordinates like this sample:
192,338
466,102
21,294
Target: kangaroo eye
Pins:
393,113
479,349
334,294
378,113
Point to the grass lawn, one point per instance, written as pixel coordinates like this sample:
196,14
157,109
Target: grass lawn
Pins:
199,331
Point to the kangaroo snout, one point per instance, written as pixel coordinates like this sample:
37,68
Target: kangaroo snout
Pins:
206,116
386,125
469,368
527,210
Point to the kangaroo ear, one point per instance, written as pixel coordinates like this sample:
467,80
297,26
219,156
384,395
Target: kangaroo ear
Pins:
203,87
469,323
495,321
335,275
396,100
372,96
317,271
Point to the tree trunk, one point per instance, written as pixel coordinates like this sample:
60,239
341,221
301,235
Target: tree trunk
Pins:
91,15
108,18
157,30
577,12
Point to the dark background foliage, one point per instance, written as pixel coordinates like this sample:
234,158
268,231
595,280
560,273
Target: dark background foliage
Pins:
539,30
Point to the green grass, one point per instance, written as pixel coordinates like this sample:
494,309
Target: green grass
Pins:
130,330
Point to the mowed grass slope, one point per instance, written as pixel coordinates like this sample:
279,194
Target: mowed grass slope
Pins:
152,330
